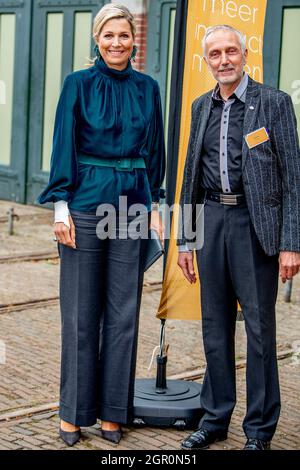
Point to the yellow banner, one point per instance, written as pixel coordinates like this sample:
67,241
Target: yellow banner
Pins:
179,299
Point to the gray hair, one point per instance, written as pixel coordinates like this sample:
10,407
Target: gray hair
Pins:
109,12
224,27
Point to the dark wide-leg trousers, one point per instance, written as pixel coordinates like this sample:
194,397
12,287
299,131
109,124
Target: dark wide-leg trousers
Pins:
100,294
233,266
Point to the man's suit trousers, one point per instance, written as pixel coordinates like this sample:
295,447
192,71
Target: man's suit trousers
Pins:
233,267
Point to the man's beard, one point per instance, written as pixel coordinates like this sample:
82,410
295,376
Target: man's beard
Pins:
230,79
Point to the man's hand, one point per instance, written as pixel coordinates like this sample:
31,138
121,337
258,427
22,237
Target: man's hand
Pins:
186,263
289,264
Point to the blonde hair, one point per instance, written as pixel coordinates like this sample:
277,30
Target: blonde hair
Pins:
109,12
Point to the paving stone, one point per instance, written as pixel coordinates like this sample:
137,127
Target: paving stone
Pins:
23,431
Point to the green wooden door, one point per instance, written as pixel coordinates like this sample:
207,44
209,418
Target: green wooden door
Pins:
14,73
160,40
161,22
282,49
61,43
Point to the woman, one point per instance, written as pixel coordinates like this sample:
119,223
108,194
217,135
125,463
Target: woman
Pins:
108,142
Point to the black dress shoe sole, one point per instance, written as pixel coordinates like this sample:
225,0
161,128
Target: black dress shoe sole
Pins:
219,439
255,448
257,444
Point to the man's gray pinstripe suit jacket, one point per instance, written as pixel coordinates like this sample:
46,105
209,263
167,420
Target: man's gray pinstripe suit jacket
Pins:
270,171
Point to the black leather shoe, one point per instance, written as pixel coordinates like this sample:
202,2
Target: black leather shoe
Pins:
257,444
202,438
112,436
70,438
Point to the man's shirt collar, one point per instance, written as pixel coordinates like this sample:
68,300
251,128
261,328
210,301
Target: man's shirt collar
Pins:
239,92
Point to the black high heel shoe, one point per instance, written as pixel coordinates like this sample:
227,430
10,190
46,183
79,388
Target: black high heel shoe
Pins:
112,436
70,438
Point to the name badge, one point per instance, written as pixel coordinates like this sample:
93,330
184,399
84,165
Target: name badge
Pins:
257,137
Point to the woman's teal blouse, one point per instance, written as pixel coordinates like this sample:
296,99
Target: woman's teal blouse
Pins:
107,113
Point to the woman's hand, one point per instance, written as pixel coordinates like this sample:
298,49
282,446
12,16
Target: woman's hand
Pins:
156,224
64,234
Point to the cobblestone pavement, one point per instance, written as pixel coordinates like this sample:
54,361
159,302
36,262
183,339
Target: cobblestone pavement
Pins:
29,377
39,431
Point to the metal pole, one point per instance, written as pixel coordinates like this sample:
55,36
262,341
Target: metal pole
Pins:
288,290
11,216
161,361
10,221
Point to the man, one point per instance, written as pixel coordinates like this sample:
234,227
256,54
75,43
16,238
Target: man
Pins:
243,163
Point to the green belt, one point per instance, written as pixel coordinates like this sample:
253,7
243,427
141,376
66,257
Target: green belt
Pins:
121,164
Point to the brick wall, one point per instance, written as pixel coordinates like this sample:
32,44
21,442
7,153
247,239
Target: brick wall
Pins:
141,41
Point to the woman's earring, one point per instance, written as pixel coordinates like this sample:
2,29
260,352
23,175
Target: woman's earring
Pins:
97,52
134,52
